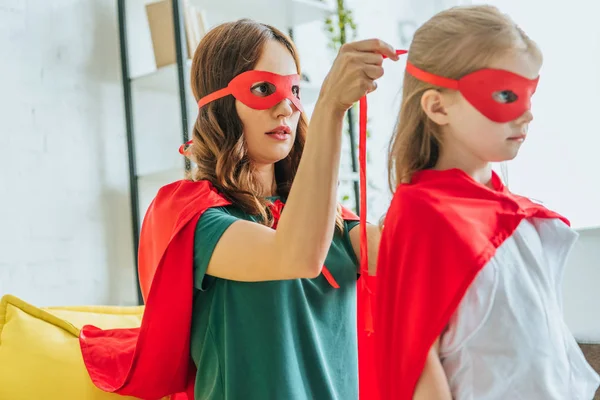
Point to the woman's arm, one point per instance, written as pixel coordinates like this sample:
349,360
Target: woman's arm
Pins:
432,384
297,249
373,237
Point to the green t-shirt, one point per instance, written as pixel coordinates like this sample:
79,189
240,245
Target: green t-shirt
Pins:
280,340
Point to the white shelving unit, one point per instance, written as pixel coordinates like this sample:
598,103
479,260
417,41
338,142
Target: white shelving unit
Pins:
150,183
588,229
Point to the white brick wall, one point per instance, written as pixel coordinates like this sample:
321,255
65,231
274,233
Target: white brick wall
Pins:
64,204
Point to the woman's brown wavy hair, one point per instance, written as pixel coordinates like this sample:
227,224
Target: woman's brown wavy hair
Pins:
218,148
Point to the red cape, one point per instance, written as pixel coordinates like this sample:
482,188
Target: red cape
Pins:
439,232
154,361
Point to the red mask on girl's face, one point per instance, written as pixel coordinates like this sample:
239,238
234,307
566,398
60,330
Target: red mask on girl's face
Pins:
500,95
279,87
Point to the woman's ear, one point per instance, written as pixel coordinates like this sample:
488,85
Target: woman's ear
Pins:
433,105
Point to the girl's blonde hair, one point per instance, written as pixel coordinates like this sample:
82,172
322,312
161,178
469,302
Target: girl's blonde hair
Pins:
452,44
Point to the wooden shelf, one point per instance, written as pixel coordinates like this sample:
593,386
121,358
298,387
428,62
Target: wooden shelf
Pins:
163,79
150,183
591,229
585,223
162,177
349,177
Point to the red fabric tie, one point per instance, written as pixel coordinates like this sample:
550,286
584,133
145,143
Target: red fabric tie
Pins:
275,208
365,286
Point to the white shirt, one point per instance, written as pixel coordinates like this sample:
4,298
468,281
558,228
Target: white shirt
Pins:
508,339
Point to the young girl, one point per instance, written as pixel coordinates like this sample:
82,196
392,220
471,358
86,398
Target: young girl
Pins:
262,298
469,301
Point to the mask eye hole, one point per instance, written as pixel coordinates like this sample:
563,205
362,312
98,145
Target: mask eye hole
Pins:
505,96
263,89
296,91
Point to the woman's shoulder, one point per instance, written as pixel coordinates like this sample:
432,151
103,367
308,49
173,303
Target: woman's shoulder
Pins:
231,210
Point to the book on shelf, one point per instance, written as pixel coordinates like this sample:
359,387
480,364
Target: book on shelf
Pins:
160,21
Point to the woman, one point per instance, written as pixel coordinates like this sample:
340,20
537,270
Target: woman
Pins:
274,299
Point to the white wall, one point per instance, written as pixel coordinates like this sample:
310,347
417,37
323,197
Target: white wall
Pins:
64,205
559,162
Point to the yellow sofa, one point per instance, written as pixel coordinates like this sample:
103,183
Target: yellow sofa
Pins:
39,349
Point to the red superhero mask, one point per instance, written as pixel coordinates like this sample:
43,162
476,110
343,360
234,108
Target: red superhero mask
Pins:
500,95
280,87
